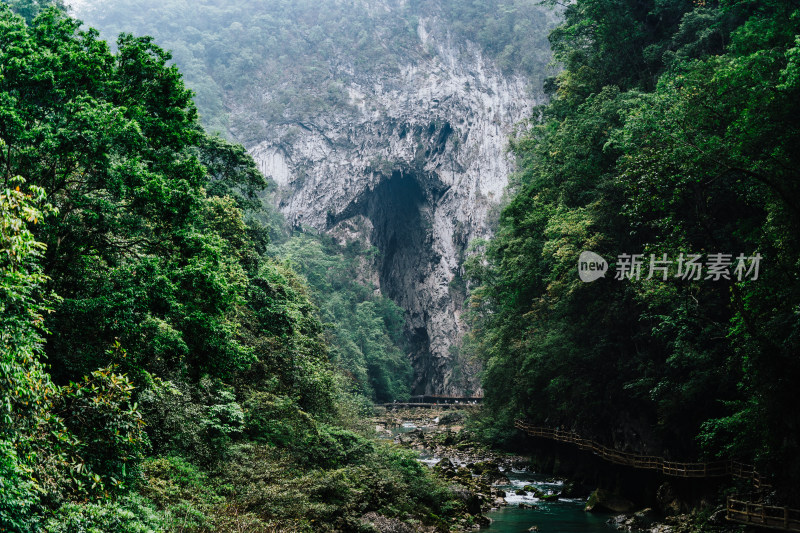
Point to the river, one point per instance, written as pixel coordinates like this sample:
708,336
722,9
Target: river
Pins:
561,516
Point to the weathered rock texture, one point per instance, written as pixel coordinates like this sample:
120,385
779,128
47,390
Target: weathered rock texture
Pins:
422,157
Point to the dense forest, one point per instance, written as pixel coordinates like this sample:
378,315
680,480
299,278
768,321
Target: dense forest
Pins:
150,332
673,129
173,358
306,51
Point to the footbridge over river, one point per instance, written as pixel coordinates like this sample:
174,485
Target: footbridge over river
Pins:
438,401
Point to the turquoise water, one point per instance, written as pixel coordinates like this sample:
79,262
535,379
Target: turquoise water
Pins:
562,516
556,517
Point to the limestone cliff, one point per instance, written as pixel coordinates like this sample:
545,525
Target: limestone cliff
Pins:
421,156
380,120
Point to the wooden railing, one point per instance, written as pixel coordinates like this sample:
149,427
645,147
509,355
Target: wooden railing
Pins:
759,514
429,405
649,462
440,398
739,510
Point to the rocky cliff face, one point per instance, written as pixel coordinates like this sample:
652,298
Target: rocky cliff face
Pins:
414,164
375,120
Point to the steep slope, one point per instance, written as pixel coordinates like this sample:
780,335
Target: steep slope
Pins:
422,158
381,122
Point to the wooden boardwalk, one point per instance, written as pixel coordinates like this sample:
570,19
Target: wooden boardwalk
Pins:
438,401
648,462
761,515
738,510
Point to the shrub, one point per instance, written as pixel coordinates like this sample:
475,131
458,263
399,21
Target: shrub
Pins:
195,420
99,412
131,514
17,496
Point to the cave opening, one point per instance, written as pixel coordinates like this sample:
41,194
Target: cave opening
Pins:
400,209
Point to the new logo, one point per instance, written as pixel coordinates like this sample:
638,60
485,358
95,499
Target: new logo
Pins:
591,267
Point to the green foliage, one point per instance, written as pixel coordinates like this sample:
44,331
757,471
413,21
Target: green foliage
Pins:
42,455
268,486
172,333
366,329
278,421
287,339
194,420
230,52
231,172
130,250
673,137
40,458
29,9
131,514
17,495
390,482
99,412
183,492
25,388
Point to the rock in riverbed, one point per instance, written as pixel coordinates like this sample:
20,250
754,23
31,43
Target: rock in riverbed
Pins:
603,500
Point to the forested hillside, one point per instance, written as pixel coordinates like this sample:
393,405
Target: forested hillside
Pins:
174,358
307,51
160,370
673,129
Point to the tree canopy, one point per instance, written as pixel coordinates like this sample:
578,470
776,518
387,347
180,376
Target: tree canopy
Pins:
278,62
158,365
673,130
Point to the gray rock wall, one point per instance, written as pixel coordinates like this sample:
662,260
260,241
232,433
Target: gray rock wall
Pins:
421,158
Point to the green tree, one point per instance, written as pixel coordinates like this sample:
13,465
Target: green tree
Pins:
673,129
25,387
29,9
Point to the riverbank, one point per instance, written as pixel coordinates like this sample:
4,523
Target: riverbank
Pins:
510,493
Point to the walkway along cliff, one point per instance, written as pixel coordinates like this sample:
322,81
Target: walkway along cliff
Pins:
746,509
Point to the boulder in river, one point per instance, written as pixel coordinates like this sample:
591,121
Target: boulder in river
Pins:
540,494
617,522
668,502
484,521
603,500
472,501
573,489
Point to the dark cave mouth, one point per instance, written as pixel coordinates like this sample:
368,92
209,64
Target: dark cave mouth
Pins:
400,209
